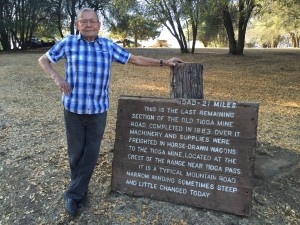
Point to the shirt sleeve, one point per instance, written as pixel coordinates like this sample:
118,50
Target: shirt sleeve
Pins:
120,54
57,52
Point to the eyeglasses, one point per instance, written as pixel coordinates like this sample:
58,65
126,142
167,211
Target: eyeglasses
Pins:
85,22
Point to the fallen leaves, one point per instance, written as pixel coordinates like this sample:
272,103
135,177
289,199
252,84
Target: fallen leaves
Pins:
33,154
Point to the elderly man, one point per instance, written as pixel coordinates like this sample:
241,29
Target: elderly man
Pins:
86,96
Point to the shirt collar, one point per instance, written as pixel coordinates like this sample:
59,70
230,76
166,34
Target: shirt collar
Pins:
97,39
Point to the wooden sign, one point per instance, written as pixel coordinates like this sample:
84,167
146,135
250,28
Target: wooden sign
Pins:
187,151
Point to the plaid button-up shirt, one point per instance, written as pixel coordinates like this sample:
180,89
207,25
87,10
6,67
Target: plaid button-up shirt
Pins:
87,71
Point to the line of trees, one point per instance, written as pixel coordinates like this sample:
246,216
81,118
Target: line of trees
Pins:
21,19
130,18
278,21
218,22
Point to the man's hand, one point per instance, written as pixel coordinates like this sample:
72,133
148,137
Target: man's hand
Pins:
174,61
63,85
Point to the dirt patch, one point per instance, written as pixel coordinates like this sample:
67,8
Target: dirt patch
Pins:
33,160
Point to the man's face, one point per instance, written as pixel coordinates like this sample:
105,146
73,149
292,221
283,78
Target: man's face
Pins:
88,25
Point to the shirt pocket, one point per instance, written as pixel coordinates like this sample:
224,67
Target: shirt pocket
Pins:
103,55
72,64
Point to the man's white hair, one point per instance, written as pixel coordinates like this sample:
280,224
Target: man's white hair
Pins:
85,10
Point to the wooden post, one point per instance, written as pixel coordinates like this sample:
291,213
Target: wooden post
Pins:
187,81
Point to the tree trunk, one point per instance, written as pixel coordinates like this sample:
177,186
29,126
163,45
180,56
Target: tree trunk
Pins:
229,29
135,39
194,31
294,40
181,40
59,18
5,41
244,11
241,39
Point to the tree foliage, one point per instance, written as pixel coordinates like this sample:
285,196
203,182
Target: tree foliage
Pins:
130,19
211,29
265,28
241,10
170,13
277,22
19,19
70,8
289,13
194,14
177,16
187,20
